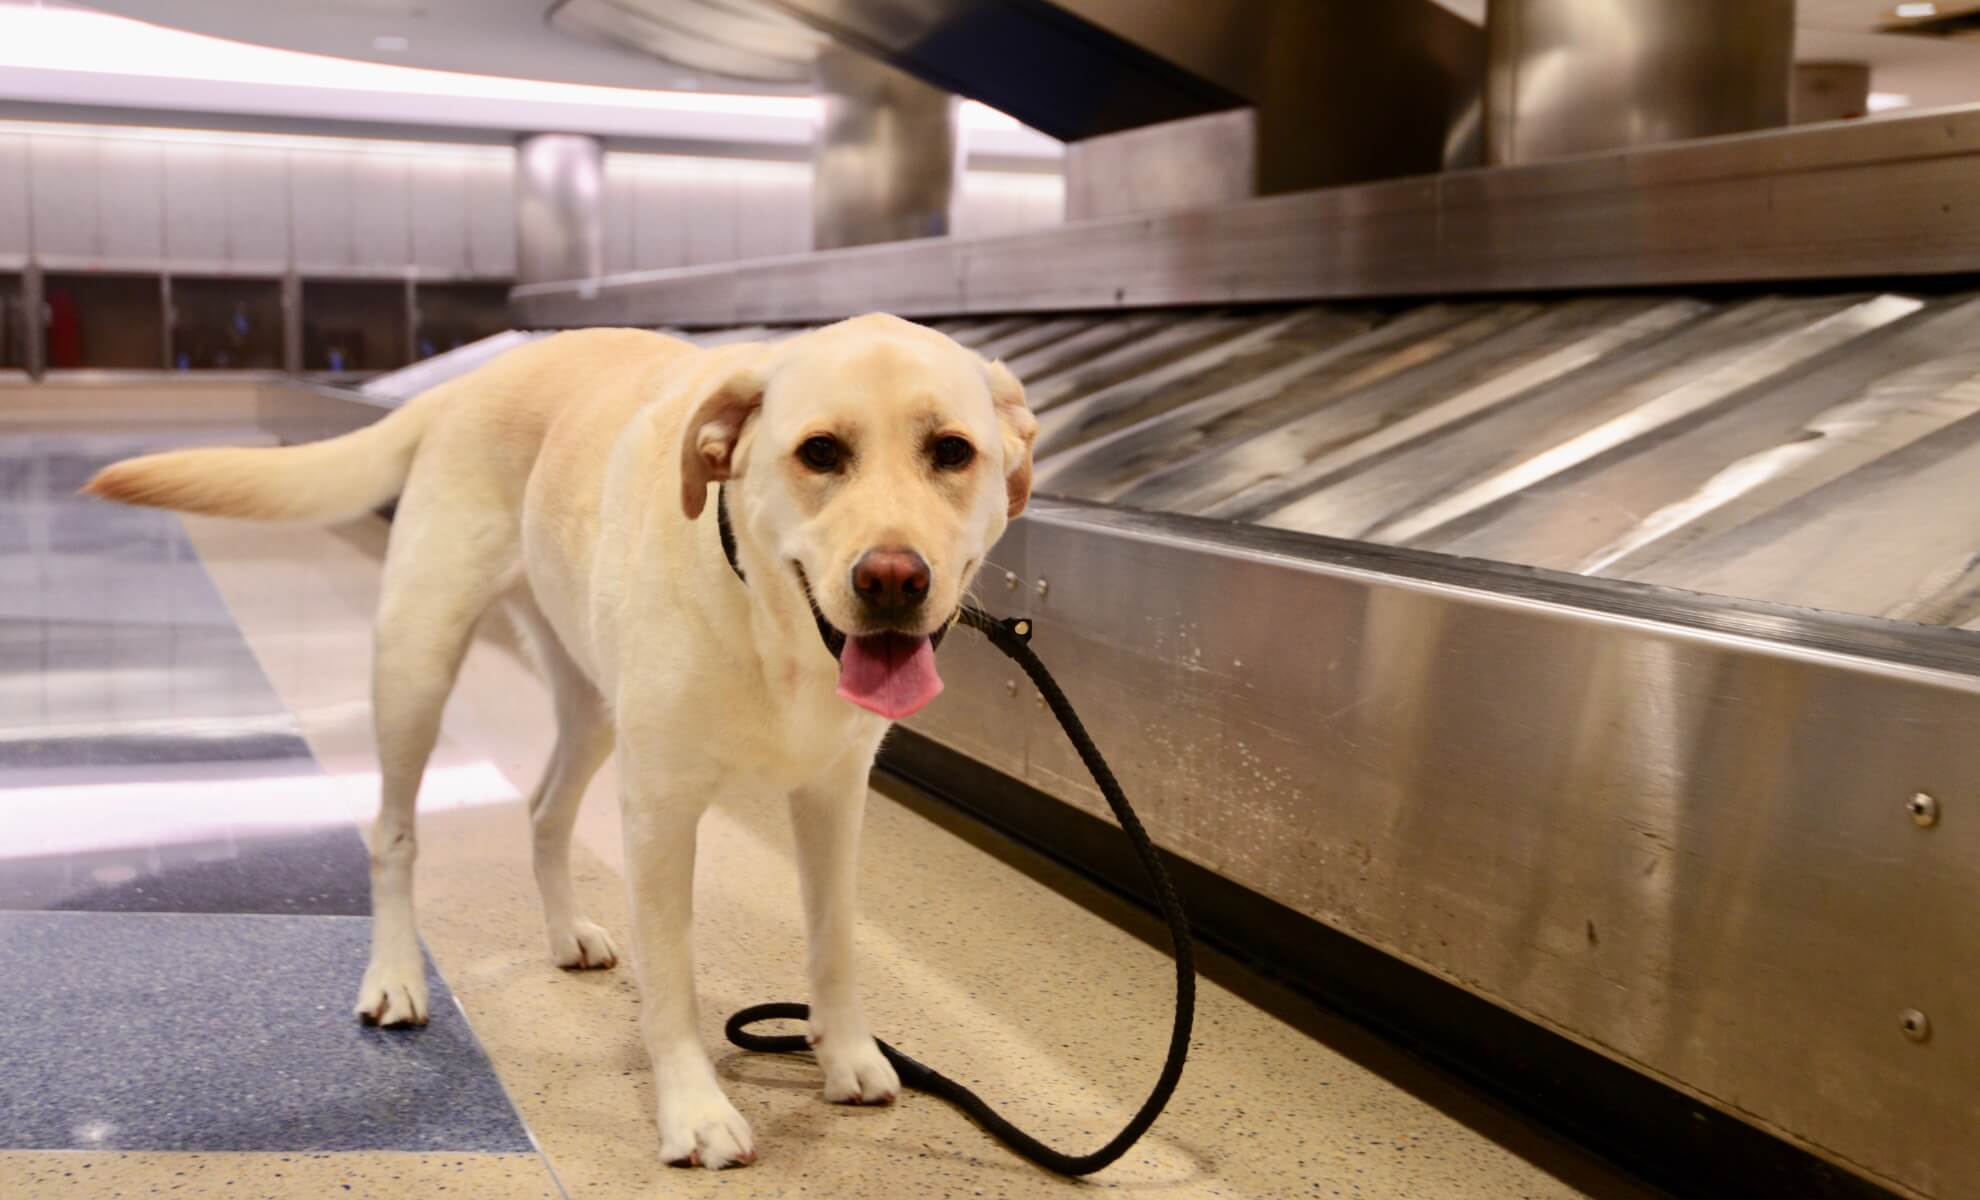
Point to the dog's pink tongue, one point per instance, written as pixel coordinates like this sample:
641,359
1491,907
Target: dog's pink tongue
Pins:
889,673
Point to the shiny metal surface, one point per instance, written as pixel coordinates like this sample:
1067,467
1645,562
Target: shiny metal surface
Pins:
1647,422
1795,449
1194,162
1343,91
1079,79
560,183
1829,91
402,385
1672,828
293,411
1567,77
1881,198
887,156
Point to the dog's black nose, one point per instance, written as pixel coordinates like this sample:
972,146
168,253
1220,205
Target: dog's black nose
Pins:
891,580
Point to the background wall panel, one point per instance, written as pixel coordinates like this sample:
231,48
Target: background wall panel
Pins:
136,198
258,207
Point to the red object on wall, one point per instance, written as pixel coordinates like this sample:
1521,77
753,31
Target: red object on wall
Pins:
65,342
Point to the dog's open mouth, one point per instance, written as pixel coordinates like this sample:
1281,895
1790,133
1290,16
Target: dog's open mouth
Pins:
892,674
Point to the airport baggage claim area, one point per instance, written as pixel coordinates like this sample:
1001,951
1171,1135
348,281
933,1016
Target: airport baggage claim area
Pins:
1506,502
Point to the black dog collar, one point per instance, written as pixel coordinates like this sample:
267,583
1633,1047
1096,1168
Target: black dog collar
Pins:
835,642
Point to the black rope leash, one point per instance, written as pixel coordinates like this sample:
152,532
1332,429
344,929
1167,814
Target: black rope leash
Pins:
1013,637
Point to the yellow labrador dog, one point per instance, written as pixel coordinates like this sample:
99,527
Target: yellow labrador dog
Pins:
865,468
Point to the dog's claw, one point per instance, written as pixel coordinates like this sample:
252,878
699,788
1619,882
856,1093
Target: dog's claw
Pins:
583,947
856,1072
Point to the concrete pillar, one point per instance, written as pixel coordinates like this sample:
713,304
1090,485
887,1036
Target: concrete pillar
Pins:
560,191
1569,77
888,155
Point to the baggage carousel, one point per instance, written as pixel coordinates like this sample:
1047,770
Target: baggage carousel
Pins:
1581,624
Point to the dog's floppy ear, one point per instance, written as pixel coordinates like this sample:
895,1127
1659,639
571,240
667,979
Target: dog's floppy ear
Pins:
1020,428
708,443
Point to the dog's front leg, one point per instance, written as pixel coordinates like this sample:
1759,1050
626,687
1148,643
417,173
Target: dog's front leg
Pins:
826,816
662,810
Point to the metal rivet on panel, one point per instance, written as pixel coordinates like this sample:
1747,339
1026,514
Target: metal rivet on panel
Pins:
1916,1025
1010,685
1924,810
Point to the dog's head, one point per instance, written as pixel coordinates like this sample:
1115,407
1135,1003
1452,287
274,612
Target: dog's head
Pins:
877,461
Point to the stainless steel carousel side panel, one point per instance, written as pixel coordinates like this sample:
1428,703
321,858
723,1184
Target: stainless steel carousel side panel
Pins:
1673,828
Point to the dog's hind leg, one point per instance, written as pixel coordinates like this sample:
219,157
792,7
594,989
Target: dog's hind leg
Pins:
584,741
446,564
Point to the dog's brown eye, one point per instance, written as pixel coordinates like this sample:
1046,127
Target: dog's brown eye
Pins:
953,452
821,453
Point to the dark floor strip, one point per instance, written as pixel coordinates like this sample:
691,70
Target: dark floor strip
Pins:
225,1032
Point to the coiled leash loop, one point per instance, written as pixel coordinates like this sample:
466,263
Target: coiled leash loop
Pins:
1012,637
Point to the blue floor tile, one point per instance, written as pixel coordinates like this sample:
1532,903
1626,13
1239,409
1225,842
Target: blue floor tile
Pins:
194,1032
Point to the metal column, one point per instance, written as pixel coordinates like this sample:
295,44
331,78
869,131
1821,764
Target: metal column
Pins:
1567,77
887,155
560,187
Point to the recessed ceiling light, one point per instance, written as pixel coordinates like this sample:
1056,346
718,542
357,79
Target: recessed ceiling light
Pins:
393,43
1913,12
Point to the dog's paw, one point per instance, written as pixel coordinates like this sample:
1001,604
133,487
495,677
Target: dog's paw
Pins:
705,1131
856,1072
393,993
583,947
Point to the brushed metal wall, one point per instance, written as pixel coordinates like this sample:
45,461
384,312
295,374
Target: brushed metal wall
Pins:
217,202
95,197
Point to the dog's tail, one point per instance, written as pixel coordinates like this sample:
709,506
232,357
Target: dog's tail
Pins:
320,482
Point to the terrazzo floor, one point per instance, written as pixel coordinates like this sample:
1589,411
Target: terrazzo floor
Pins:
186,754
